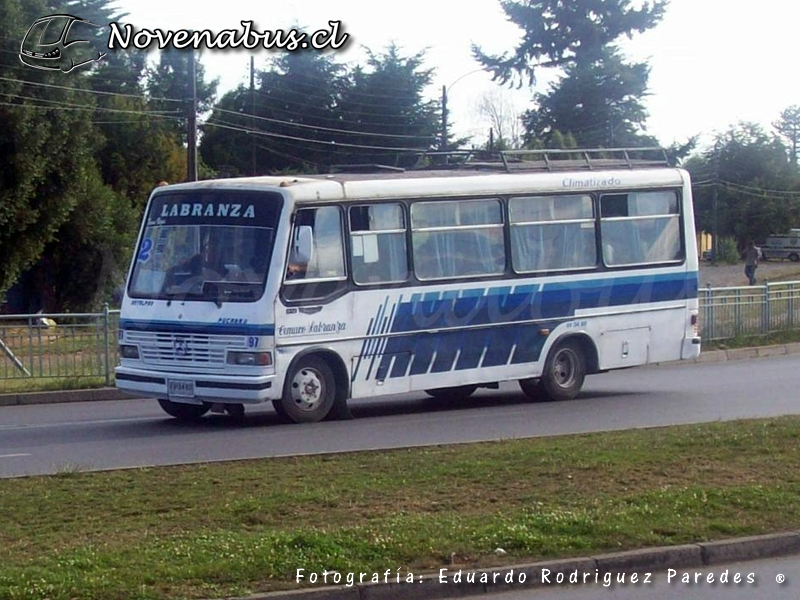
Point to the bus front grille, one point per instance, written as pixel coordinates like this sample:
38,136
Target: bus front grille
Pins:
183,349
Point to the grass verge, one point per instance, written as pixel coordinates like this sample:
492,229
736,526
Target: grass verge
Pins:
788,336
50,384
217,530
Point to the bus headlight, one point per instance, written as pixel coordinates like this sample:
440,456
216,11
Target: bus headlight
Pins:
259,359
127,351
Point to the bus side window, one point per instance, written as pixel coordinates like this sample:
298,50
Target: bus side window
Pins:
327,260
325,274
378,243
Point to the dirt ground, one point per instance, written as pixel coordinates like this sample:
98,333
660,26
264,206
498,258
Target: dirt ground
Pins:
733,275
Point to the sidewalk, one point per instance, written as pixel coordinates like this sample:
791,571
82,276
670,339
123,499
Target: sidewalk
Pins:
104,394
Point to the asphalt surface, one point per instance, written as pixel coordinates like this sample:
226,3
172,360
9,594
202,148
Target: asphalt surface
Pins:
517,577
106,394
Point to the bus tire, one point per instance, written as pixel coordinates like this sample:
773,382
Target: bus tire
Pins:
564,371
281,412
459,392
309,392
794,257
184,412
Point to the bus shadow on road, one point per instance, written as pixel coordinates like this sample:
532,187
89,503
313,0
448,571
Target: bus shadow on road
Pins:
263,415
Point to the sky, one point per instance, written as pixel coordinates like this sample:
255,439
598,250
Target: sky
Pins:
713,63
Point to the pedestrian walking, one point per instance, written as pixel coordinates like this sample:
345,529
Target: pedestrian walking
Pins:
751,255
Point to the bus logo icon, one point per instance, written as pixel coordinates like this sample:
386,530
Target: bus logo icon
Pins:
62,43
181,346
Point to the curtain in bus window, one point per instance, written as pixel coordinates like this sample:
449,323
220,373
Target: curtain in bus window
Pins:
528,247
662,239
434,251
640,227
378,244
471,244
551,233
621,245
483,251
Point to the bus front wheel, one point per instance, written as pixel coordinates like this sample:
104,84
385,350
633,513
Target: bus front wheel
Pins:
564,371
309,391
184,412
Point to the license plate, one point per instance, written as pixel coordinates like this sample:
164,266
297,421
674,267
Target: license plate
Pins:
180,388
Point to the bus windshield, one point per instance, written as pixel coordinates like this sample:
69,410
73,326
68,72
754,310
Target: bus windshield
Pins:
208,247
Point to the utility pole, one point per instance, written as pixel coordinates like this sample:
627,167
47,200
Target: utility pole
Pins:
191,123
443,144
611,129
253,168
715,206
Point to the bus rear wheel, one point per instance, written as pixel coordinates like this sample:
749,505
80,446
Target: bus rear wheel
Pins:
459,392
309,392
184,412
564,371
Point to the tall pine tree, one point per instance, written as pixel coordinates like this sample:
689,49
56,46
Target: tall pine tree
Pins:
598,97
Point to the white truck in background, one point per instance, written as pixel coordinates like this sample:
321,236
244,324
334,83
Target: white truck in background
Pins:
782,246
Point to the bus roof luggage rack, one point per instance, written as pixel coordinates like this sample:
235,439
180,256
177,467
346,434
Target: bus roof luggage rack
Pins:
584,159
510,161
365,168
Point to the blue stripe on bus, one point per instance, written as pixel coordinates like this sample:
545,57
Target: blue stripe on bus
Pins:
509,341
198,328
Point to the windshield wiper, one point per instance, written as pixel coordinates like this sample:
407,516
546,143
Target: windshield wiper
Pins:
203,294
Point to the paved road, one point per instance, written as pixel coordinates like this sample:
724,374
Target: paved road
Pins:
99,435
686,584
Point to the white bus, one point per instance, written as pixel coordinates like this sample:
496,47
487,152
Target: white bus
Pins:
310,291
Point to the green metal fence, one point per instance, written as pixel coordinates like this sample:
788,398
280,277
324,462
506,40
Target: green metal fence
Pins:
752,310
59,346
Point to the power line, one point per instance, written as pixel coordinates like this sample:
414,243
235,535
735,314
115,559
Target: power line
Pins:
320,128
95,92
331,143
60,105
742,187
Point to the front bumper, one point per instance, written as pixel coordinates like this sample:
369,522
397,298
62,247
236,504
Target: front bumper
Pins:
234,389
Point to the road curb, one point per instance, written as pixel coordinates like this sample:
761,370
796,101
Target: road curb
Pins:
654,561
761,546
63,396
713,356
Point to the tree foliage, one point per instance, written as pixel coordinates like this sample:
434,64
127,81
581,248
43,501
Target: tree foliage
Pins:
561,34
598,97
385,104
600,104
282,123
82,152
309,112
757,192
46,142
788,127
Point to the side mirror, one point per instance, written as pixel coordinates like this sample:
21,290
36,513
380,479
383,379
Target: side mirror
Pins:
303,248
